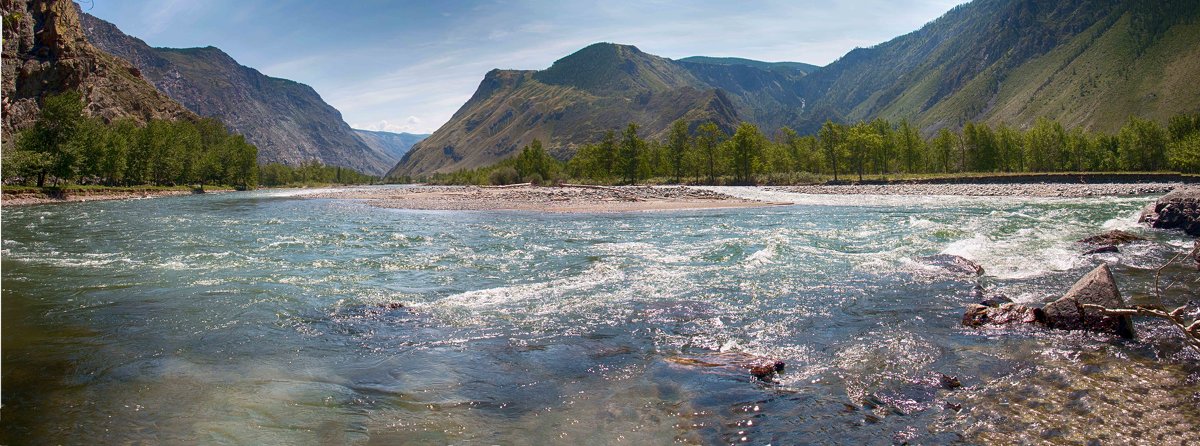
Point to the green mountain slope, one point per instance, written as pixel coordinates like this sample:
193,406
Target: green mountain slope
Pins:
392,145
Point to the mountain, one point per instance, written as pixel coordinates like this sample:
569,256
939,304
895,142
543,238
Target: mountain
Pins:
46,53
598,88
1088,63
788,66
391,145
287,120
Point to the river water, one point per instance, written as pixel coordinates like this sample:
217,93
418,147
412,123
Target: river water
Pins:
263,318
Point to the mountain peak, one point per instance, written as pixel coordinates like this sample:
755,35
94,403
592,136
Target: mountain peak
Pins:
610,67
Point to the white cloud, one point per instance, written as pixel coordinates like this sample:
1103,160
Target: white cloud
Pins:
411,124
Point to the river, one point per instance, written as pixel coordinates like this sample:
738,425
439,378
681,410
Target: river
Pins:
264,318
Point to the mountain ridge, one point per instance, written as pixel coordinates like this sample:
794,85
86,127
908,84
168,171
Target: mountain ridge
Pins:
1089,64
288,121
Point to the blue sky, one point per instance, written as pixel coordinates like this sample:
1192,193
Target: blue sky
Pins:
408,66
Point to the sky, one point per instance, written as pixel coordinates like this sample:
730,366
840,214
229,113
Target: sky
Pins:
407,66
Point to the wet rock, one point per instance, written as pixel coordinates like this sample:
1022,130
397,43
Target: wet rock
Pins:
949,382
989,300
1098,288
953,263
1102,250
1179,209
1003,314
391,305
760,367
1113,237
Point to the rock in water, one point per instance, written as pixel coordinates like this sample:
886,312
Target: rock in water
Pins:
1179,209
1098,288
1102,250
1004,314
954,264
1113,237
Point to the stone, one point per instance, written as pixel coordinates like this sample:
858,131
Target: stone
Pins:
1098,288
995,300
949,382
1179,209
1003,314
1102,250
954,264
1113,237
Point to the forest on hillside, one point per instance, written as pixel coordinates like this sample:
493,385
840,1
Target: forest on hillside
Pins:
66,147
707,155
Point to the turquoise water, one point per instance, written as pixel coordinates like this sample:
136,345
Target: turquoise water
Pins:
262,317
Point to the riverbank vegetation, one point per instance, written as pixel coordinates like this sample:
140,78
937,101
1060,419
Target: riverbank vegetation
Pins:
67,152
878,149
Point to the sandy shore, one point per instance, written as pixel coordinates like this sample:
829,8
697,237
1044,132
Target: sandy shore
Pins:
546,199
989,190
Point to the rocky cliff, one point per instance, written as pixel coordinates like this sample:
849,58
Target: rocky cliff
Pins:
46,53
287,121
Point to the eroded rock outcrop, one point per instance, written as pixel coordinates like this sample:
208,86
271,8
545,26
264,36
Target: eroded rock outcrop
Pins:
954,264
46,53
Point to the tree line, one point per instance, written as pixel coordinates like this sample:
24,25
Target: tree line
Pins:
65,146
707,154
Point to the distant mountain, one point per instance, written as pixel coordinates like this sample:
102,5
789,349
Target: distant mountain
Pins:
46,53
391,145
601,87
792,66
287,120
1088,63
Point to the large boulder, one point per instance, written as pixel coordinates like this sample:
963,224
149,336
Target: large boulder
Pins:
1179,209
1098,288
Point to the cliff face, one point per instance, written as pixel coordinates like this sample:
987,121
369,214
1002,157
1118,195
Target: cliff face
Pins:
46,53
288,121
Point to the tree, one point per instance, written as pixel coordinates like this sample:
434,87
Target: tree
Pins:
1143,145
862,140
51,146
630,154
677,146
942,148
708,140
830,137
746,148
911,146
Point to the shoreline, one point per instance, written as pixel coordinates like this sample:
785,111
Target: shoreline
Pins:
34,197
1038,190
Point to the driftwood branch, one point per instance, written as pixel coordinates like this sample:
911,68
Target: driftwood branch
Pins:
1191,329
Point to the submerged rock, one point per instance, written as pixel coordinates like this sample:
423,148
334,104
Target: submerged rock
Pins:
1113,237
953,263
1102,250
1098,288
760,367
1003,314
1179,209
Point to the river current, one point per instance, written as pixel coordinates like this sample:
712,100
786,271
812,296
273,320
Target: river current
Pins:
268,318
